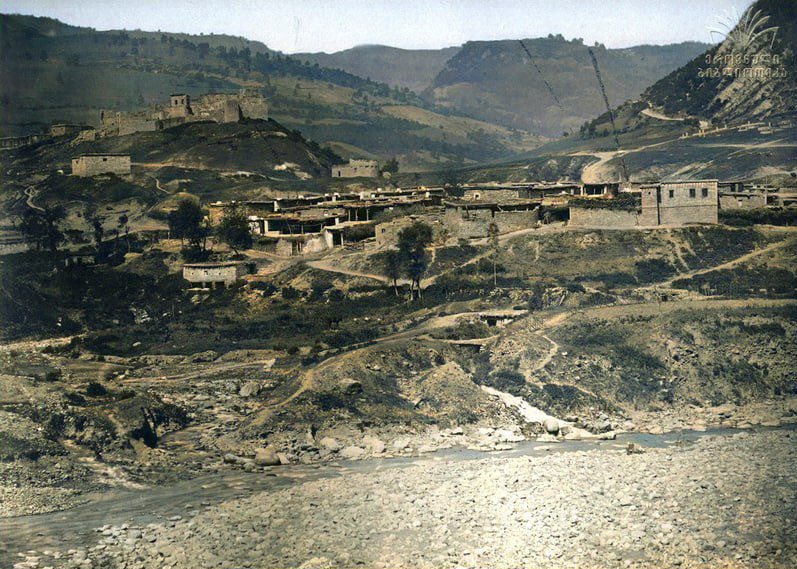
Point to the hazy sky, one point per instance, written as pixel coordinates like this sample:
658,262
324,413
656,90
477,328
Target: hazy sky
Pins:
331,25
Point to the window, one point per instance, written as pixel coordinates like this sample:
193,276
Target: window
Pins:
704,192
672,194
691,192
104,159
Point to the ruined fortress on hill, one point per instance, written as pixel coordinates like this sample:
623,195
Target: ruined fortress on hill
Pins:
217,107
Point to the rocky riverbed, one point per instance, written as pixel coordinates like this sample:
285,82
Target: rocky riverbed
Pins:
723,501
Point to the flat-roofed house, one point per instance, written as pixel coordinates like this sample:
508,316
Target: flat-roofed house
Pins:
214,275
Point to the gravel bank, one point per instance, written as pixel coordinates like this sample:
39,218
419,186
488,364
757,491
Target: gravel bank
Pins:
726,501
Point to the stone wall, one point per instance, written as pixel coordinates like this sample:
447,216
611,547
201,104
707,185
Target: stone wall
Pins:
253,106
356,168
470,224
489,195
604,218
121,123
94,164
743,201
12,241
66,129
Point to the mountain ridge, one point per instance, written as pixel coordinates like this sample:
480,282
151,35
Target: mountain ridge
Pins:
411,68
555,89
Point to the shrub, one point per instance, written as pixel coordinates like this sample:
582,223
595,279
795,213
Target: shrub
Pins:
765,216
95,389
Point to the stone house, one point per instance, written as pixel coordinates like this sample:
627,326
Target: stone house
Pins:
387,232
93,164
680,203
471,219
356,169
664,204
214,275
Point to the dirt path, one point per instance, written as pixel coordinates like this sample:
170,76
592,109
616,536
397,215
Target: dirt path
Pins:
212,369
158,185
548,356
434,323
656,115
30,192
324,265
327,265
36,345
597,172
729,264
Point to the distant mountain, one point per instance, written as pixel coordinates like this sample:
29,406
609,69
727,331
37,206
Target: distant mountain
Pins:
53,72
555,89
411,68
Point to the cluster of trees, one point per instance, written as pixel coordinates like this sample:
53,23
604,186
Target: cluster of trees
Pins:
188,223
391,166
42,228
410,258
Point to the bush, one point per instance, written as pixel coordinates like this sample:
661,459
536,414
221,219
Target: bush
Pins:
95,389
763,216
623,202
652,270
741,281
291,293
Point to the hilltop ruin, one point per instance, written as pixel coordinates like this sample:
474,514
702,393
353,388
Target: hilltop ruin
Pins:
216,107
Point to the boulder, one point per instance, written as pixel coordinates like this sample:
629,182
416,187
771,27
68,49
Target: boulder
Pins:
249,389
351,386
202,357
373,444
551,426
507,436
331,444
547,438
634,448
265,457
352,452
